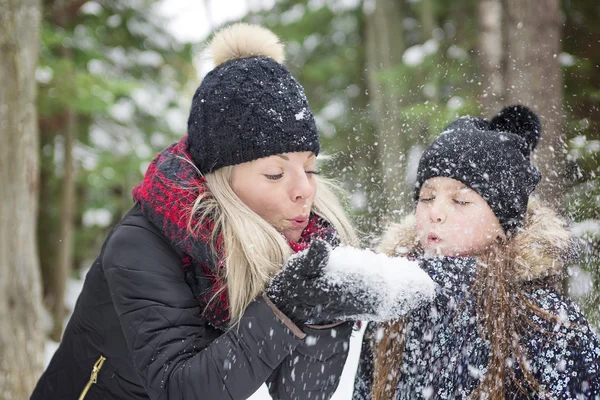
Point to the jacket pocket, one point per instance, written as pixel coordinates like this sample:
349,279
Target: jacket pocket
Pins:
93,376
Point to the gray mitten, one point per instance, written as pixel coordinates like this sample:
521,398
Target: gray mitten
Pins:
301,292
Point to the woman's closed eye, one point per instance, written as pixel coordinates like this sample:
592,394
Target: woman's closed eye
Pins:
274,177
426,199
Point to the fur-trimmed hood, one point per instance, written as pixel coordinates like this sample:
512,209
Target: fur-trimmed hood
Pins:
541,245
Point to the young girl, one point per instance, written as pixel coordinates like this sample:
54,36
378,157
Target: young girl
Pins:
498,328
193,295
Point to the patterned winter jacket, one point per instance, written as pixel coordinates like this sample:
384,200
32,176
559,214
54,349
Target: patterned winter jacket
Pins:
445,354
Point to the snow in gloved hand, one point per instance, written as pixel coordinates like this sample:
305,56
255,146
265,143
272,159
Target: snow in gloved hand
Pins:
321,285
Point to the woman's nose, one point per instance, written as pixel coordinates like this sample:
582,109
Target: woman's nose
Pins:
301,187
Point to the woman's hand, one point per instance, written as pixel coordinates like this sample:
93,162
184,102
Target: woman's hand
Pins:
319,287
301,293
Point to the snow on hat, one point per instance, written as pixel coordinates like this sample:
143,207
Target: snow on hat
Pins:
492,158
249,106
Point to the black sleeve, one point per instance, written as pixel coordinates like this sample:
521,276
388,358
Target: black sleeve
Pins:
314,369
363,382
173,349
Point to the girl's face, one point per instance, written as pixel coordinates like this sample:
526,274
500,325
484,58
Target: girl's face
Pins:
454,220
281,189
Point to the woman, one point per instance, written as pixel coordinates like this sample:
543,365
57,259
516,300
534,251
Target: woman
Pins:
188,297
498,329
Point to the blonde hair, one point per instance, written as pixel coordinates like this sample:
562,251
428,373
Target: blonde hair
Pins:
254,251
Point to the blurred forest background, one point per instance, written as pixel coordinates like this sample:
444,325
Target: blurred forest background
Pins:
92,90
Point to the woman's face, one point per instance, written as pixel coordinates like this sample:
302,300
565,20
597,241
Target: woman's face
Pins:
454,220
281,189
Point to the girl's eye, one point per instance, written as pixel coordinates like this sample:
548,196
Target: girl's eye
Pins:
274,177
313,172
461,203
425,199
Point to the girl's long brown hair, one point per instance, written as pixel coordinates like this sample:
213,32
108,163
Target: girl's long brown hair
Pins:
387,351
503,312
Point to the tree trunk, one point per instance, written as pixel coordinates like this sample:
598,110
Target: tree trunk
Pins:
46,220
21,336
384,49
490,55
427,18
64,256
534,78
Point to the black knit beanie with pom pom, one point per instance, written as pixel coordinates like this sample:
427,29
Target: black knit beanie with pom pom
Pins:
249,106
490,157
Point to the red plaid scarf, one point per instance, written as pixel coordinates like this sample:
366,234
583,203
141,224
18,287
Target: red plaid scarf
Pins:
166,195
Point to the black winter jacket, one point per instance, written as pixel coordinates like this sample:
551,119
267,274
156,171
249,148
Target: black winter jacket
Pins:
137,311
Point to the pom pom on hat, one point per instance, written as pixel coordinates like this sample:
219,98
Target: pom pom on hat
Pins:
244,40
522,121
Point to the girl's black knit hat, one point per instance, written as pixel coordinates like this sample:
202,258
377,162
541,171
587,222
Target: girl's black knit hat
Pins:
492,158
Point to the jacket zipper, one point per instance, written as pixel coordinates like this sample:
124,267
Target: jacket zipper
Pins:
93,377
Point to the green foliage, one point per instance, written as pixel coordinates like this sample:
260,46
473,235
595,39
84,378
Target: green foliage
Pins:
112,64
582,105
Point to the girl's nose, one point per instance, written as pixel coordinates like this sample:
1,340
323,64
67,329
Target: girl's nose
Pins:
437,212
